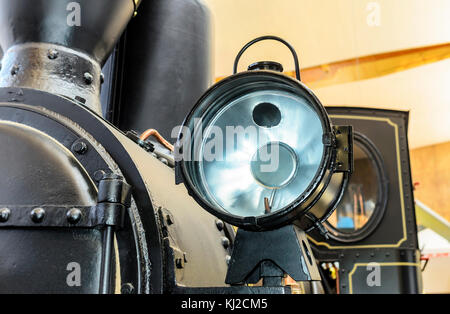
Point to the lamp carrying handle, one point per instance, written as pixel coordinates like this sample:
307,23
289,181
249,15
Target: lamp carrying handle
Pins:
269,37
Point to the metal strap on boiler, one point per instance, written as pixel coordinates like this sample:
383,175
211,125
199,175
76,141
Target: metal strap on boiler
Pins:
114,197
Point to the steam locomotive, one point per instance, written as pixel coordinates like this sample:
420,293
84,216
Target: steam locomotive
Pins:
90,203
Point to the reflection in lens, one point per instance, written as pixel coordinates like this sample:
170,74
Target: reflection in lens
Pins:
266,115
274,173
273,140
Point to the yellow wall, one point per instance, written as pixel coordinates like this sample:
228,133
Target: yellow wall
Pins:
430,166
324,31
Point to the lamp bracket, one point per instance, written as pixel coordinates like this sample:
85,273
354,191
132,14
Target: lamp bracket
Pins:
269,255
344,148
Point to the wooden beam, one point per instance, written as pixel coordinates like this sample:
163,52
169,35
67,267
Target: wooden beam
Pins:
372,66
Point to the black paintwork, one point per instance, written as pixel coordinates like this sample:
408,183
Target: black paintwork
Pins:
46,21
387,242
281,247
166,66
64,246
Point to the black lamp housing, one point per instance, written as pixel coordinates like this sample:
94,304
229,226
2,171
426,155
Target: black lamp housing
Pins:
312,206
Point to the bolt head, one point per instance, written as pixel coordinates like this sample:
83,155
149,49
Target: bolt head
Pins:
74,216
80,147
4,214
179,263
98,175
52,54
88,78
219,224
15,69
37,215
127,288
169,220
225,242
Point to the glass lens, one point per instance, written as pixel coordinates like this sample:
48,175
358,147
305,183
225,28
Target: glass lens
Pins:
360,199
259,152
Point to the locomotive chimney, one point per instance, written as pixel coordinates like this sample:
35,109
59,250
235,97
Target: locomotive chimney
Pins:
59,46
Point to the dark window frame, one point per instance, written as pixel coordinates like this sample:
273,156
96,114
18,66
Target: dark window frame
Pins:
383,192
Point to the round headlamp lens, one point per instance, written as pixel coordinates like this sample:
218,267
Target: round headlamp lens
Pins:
255,147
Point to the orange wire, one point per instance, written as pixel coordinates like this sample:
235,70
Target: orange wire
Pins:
162,140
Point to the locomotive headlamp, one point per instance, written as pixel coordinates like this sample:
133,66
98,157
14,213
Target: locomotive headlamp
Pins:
258,149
